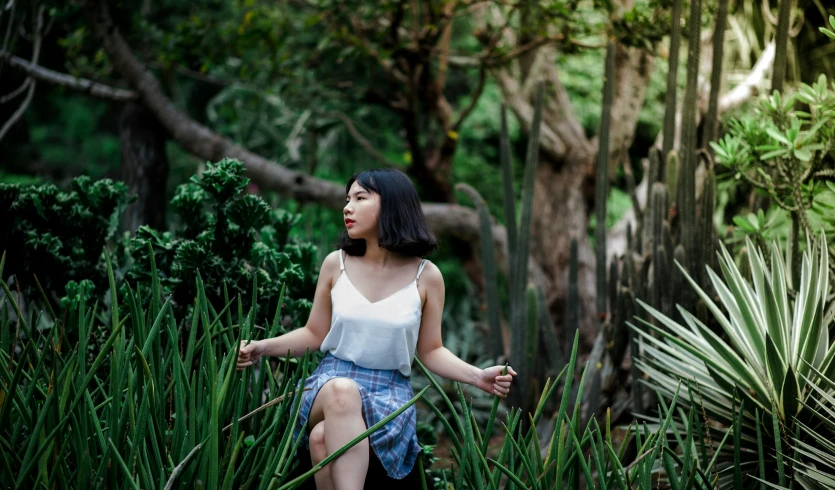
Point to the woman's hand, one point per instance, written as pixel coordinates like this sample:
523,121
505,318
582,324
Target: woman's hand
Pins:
494,382
251,351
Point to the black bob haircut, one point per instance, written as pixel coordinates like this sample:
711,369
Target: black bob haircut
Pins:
401,227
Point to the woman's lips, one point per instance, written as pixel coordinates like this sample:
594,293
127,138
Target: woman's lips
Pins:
349,223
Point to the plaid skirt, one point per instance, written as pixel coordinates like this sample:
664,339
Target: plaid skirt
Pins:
382,393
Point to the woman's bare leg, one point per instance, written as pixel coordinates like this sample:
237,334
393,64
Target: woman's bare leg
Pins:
339,402
318,452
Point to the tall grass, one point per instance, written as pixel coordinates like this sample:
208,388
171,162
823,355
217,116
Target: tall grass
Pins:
158,404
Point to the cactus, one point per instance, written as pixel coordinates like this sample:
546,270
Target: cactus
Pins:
634,351
613,284
666,296
488,262
678,285
687,176
507,181
712,119
672,77
668,244
602,182
671,176
531,335
781,45
521,312
519,261
674,226
708,235
621,313
572,323
549,335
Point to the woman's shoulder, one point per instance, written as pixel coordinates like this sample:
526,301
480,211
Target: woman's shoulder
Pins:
331,262
431,274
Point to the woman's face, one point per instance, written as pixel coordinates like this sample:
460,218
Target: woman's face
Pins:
361,212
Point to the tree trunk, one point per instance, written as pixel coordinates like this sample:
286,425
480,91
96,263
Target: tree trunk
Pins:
561,214
144,166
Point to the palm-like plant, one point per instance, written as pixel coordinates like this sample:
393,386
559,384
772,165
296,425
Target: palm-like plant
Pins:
774,350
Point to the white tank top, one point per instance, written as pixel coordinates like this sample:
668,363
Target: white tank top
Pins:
379,335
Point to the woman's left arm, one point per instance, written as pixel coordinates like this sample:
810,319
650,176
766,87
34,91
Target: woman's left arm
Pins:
439,359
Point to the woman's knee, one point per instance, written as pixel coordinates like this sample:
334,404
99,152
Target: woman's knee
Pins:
343,396
318,451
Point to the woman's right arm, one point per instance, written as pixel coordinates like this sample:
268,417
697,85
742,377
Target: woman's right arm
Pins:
308,337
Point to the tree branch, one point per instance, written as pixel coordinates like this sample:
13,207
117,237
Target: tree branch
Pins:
14,93
444,219
83,85
749,87
482,77
352,129
36,54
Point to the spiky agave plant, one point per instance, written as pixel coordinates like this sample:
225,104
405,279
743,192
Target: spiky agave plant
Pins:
774,352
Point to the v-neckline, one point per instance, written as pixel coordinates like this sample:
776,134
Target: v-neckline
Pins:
380,300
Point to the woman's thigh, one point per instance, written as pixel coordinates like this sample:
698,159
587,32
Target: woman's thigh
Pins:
336,387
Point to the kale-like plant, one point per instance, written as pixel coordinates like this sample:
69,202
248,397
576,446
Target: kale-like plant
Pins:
233,240
58,235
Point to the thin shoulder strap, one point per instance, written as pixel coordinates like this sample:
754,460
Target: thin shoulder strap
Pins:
342,262
420,269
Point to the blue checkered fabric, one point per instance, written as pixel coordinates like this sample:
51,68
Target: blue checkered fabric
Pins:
382,392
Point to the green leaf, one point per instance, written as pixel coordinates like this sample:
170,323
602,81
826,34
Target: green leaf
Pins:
803,154
789,394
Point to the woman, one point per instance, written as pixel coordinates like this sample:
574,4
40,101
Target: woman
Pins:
385,303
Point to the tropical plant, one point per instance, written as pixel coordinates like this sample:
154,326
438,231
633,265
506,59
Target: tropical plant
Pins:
774,350
230,237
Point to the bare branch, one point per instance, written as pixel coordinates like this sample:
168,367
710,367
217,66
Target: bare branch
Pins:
20,110
36,54
352,129
14,93
8,33
749,87
482,77
197,75
89,87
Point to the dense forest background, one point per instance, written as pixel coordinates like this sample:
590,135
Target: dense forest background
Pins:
167,96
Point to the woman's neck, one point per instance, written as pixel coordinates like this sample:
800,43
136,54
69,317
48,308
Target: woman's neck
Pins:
377,256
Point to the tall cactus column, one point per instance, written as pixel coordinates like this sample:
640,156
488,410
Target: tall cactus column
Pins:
601,191
687,176
672,80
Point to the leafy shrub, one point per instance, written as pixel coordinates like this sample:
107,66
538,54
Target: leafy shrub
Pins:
59,235
234,240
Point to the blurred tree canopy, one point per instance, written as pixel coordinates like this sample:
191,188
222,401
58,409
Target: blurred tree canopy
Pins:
306,92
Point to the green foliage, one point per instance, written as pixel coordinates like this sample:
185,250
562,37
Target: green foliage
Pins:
160,405
826,31
572,451
777,355
58,235
787,153
213,427
233,240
